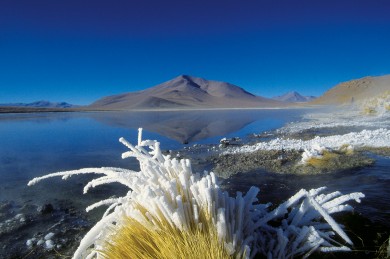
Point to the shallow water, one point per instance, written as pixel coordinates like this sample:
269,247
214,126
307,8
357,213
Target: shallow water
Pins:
35,144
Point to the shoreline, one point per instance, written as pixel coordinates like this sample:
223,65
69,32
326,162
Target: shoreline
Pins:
7,109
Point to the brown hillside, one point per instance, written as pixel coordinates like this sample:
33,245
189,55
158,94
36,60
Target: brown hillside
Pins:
355,91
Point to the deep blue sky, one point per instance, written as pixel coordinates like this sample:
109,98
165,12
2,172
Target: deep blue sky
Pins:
78,51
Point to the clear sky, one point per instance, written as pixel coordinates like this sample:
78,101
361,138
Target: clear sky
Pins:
78,51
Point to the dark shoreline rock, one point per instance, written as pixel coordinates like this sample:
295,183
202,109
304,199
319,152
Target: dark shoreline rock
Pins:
45,208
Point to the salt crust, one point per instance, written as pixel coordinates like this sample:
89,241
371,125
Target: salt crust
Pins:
333,119
366,138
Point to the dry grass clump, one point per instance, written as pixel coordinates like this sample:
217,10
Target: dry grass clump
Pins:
328,158
379,104
140,241
331,159
334,161
368,110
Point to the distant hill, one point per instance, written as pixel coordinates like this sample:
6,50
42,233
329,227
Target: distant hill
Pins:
186,92
40,104
355,91
293,97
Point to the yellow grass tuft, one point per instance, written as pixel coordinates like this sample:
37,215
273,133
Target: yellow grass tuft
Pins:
330,158
369,110
324,161
135,240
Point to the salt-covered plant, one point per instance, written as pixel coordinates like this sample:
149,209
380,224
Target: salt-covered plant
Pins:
378,105
322,156
167,200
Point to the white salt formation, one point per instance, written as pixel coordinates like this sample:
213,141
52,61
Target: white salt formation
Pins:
166,190
315,147
349,118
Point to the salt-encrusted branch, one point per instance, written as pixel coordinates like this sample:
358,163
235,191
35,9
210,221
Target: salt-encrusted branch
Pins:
103,202
66,174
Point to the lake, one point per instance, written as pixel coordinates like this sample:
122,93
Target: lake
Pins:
36,144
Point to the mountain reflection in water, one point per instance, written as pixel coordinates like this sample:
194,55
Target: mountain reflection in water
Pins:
192,126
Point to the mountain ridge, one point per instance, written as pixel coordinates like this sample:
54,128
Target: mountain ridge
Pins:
293,96
40,104
186,91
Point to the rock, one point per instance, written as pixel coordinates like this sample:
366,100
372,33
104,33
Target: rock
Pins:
49,244
46,208
12,224
224,142
19,216
5,207
30,242
227,142
49,236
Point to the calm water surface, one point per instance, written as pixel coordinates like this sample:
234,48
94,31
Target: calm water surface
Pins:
32,145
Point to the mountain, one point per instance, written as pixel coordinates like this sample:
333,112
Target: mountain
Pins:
355,91
41,104
186,92
293,97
